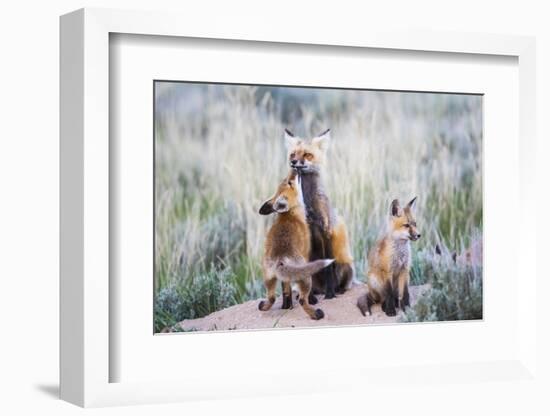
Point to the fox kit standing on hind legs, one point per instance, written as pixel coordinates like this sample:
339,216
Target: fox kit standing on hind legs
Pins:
287,248
390,262
329,238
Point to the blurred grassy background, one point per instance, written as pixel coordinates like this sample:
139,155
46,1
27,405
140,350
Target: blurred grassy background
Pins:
219,152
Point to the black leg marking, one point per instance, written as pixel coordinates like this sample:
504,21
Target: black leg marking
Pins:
389,306
319,314
389,301
287,295
331,280
321,249
261,305
312,299
405,301
287,302
316,253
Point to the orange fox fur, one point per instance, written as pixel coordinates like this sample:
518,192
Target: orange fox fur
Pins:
287,248
389,263
307,157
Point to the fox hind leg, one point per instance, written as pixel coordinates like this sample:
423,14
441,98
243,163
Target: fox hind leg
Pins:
311,298
270,285
344,274
365,302
304,287
287,295
339,243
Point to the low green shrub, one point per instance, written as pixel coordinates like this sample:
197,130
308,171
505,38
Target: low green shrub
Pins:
455,293
194,298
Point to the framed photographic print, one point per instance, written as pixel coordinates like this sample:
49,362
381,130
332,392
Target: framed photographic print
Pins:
228,197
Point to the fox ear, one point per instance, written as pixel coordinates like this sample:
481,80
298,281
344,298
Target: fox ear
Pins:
322,140
411,204
267,208
290,139
395,208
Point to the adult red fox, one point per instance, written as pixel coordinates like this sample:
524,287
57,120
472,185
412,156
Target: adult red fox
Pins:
390,262
329,237
287,248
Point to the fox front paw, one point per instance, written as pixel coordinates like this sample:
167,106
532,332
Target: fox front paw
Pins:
388,306
330,295
287,302
266,305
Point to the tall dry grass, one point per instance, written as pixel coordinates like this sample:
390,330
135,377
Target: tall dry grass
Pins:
219,152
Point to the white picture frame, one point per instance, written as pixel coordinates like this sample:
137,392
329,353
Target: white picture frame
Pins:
85,165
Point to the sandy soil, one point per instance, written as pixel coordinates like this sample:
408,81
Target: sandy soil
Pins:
341,310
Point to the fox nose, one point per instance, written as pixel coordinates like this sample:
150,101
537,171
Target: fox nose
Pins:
293,162
418,235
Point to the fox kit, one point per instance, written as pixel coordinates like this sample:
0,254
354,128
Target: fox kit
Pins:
390,262
329,238
287,248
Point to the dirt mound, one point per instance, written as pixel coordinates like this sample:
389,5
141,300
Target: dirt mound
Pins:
341,310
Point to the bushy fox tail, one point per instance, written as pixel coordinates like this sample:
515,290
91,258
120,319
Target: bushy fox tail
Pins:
289,268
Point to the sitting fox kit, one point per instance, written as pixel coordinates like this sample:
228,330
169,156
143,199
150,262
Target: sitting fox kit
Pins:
389,263
329,237
287,248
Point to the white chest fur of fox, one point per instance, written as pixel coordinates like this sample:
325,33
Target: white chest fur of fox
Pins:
401,256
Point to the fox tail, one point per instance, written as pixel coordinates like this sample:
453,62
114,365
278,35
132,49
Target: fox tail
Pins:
287,267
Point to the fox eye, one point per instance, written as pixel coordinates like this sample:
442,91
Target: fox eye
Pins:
406,225
292,155
289,184
308,156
